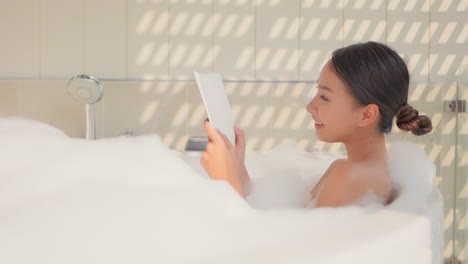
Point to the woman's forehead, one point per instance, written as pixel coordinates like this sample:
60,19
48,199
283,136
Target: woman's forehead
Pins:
329,80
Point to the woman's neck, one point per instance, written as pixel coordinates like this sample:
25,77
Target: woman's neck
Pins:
366,147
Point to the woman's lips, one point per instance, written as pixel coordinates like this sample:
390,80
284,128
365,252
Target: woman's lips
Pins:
318,125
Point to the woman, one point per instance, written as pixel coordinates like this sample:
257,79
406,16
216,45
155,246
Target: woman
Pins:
360,89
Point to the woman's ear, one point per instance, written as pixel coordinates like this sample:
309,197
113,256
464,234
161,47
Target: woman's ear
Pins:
369,114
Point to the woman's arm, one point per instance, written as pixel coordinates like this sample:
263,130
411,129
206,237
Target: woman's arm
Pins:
223,161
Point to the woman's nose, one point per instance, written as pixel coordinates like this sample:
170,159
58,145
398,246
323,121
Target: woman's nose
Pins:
310,106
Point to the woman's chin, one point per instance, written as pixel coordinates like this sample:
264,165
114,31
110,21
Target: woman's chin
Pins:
325,138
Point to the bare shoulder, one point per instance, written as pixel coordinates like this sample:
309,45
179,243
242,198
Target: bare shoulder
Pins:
338,165
348,182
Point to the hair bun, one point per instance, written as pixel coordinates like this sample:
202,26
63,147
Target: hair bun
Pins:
408,119
405,114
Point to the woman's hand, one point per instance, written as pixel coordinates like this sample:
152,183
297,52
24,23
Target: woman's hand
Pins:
222,160
240,149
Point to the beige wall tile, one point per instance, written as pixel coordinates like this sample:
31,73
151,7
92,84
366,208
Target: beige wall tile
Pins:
196,111
148,39
440,143
448,46
251,109
253,112
52,39
269,113
364,20
49,102
19,47
461,167
427,99
250,104
61,45
408,34
291,121
234,38
190,37
277,40
8,98
321,33
462,139
146,108
105,38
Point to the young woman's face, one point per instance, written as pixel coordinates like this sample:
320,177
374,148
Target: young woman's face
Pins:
333,109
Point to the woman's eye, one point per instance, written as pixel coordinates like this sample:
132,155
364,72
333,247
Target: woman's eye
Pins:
324,98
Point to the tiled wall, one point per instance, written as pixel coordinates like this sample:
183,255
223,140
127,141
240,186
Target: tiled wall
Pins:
243,39
130,42
269,112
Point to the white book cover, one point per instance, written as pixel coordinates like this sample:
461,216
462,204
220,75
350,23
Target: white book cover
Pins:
216,103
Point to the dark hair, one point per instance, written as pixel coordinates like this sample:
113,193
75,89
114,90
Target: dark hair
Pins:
376,74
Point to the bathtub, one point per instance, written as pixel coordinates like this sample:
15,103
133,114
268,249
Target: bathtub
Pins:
132,200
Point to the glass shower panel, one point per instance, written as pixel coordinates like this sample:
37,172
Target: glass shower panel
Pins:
461,168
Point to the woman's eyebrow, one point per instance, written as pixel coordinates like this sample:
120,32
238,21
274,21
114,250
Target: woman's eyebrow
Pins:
324,88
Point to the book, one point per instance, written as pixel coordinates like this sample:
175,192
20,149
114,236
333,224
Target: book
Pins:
216,103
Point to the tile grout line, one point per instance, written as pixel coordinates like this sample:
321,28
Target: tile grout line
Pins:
39,26
299,36
212,35
255,39
343,3
126,7
386,22
169,17
429,42
83,29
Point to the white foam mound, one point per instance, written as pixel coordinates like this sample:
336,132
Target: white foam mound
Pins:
132,200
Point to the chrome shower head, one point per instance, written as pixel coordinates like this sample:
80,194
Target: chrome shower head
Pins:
87,90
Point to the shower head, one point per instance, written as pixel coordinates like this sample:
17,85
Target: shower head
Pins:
85,89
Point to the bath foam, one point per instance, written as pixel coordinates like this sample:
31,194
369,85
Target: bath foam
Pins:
132,200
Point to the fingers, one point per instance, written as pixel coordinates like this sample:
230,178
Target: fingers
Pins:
210,131
240,137
206,156
205,124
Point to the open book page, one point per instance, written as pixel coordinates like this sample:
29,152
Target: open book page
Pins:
216,103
